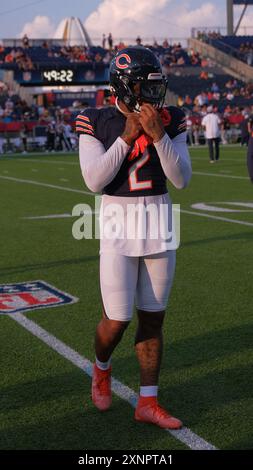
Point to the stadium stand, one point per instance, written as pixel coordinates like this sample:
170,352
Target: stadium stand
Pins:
194,83
240,47
39,57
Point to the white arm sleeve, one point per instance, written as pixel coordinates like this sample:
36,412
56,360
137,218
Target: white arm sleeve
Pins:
99,167
175,159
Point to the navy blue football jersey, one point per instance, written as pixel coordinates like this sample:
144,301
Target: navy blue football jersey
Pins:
141,176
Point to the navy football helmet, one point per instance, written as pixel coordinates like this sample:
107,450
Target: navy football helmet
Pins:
137,65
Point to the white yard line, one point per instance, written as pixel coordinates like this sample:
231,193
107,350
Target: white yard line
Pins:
46,185
58,216
223,219
202,173
55,162
36,154
185,435
28,160
222,147
52,216
205,159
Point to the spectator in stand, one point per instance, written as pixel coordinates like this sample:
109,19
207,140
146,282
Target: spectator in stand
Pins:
138,41
201,99
204,75
189,130
60,135
9,58
249,57
211,123
231,84
195,130
110,41
188,100
230,96
181,61
23,135
224,128
107,58
215,88
51,134
180,101
103,41
67,135
25,41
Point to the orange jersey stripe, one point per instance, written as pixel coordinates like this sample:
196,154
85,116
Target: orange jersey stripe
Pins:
84,118
84,124
85,131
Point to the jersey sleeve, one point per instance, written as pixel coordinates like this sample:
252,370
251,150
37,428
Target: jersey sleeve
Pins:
177,123
86,122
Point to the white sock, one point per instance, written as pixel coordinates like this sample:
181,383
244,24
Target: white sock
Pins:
149,391
103,365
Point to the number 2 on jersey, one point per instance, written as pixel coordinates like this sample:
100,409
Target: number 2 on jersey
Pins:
134,184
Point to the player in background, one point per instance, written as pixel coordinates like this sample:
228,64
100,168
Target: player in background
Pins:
211,123
129,152
250,148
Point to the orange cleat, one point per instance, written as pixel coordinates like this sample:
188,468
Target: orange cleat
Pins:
101,388
148,411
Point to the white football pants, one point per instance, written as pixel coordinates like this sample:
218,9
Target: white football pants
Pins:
126,281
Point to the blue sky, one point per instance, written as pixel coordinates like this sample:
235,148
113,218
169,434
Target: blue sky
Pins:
125,18
13,22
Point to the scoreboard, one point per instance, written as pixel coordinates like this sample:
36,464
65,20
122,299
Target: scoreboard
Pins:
82,75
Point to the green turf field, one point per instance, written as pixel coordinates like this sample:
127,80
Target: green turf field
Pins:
206,378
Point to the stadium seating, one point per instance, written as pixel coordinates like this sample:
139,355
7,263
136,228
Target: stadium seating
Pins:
191,85
240,47
41,56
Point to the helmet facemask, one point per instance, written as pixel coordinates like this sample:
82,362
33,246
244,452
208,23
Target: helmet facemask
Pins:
134,92
153,91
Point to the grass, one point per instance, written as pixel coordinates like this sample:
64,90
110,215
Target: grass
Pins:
206,377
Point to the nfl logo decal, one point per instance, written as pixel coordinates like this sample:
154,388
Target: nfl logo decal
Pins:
25,296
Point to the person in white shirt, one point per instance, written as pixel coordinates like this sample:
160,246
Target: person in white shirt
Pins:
211,122
67,130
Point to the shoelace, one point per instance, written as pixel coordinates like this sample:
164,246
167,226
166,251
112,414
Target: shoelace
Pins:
159,412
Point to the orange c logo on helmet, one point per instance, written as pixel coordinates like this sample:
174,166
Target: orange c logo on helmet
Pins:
121,63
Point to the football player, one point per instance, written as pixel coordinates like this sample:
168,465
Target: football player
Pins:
250,149
128,152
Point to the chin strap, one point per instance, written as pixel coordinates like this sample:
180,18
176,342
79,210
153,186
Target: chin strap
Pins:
119,108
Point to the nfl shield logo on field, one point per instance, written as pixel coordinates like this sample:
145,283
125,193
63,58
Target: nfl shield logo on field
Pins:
25,296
